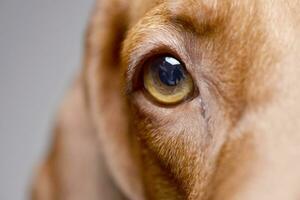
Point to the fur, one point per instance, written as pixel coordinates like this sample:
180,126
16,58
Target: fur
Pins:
237,139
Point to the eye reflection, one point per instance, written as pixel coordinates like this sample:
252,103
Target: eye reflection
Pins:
170,72
166,80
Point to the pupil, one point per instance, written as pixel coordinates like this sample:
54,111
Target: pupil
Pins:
170,71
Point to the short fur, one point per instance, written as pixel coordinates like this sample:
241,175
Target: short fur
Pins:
238,139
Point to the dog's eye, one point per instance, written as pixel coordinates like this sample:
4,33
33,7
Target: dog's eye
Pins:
166,80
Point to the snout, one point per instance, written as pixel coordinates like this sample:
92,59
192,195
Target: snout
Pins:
261,159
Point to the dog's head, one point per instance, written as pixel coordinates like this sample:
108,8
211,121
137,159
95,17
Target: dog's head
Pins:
197,99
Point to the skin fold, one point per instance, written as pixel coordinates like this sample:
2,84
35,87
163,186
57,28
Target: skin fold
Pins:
236,139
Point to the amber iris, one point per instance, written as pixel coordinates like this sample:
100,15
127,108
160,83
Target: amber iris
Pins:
166,80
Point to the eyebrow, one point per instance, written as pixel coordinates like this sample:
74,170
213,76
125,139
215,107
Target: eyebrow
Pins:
184,22
196,26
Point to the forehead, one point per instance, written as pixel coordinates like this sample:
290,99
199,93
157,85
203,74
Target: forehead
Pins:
228,18
195,10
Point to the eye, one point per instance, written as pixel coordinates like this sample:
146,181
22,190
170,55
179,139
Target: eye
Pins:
166,80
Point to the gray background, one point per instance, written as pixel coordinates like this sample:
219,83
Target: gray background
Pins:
40,51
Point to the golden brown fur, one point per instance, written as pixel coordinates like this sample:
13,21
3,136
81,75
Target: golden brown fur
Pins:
238,139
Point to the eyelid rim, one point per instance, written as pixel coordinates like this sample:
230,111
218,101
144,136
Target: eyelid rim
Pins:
135,67
190,95
136,78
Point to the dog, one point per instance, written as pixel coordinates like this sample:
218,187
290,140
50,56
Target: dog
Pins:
181,99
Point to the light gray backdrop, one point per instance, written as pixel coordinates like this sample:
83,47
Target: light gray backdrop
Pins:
40,50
